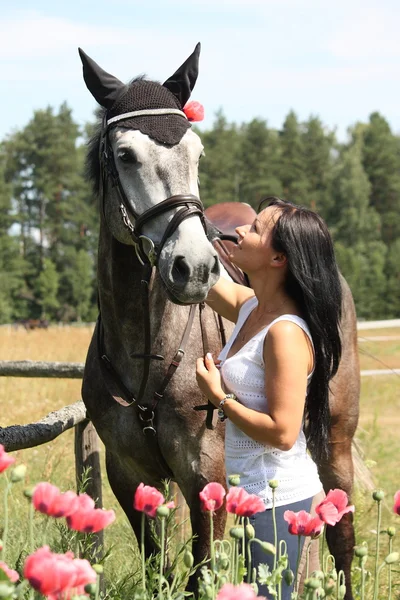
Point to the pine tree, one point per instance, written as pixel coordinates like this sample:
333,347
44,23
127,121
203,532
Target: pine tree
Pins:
318,145
260,158
381,158
46,289
219,172
293,165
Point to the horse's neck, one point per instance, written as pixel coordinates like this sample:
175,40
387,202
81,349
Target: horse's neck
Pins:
121,296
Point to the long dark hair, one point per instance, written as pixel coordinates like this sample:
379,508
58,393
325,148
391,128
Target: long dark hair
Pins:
313,282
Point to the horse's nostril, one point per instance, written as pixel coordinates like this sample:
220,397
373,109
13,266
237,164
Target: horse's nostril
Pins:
215,269
180,270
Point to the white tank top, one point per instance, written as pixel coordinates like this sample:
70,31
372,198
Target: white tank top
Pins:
244,375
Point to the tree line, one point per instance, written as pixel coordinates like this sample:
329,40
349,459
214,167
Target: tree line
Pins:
49,217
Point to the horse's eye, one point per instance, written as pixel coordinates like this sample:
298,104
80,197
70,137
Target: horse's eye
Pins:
127,156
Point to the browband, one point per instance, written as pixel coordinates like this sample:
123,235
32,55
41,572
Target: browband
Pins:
150,112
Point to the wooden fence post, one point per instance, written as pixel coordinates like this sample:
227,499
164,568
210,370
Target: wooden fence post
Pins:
87,454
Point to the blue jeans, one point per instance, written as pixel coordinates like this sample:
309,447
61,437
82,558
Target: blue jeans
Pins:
264,528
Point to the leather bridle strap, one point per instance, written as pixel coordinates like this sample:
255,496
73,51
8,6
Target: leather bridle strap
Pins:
191,205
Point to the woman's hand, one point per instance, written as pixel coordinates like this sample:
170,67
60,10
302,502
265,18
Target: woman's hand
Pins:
209,379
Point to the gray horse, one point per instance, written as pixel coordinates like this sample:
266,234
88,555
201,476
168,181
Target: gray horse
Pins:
144,164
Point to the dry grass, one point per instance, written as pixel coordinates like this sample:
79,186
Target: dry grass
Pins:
24,400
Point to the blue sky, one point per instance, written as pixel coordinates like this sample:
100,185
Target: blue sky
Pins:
260,58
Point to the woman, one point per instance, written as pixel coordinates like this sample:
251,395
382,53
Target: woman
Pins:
271,380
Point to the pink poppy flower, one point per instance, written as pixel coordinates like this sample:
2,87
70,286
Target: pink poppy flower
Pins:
194,111
40,571
396,507
212,496
244,591
147,499
84,572
170,505
241,503
5,459
302,523
64,505
11,574
43,497
57,575
333,507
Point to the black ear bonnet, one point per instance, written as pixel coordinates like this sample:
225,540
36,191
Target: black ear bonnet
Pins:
142,95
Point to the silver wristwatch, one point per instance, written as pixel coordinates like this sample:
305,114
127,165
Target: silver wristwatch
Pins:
221,415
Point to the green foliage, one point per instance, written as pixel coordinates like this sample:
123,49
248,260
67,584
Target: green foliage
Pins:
47,212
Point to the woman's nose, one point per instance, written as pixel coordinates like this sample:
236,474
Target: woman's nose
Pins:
241,230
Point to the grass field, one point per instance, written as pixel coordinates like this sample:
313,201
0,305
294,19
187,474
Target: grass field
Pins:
24,400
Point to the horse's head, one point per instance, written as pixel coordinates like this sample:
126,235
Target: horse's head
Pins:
144,161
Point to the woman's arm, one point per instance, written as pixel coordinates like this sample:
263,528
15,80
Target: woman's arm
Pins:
288,357
226,298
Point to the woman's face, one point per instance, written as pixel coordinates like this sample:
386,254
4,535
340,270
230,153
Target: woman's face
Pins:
254,249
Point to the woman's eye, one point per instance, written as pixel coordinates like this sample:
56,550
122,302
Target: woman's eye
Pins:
127,156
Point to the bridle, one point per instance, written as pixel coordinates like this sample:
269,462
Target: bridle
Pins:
188,204
148,254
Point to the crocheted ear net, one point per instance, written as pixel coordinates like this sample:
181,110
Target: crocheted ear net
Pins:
141,95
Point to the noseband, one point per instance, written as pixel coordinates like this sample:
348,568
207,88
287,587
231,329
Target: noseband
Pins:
189,205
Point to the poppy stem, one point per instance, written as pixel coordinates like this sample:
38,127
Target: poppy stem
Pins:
212,554
390,569
162,554
5,529
378,527
275,529
296,576
249,572
142,552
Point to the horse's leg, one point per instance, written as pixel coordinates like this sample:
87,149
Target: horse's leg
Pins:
124,487
210,467
338,473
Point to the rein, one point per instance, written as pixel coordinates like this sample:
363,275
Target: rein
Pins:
148,254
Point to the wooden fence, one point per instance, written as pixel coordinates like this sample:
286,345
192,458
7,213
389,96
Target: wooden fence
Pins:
87,447
87,451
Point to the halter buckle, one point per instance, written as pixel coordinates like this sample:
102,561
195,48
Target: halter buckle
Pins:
150,251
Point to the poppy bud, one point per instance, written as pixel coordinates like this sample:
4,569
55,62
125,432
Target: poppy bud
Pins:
98,569
234,480
188,559
28,493
288,576
223,561
237,533
90,588
378,495
250,531
162,511
360,551
273,484
342,592
392,558
391,531
267,547
18,473
312,583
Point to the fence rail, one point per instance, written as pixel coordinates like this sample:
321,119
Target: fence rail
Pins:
32,368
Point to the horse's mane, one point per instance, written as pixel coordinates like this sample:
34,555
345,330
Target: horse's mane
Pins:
92,165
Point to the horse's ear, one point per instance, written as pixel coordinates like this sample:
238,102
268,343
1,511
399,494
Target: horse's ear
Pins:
104,87
181,83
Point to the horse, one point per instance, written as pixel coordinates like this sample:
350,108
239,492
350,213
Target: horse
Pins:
156,265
